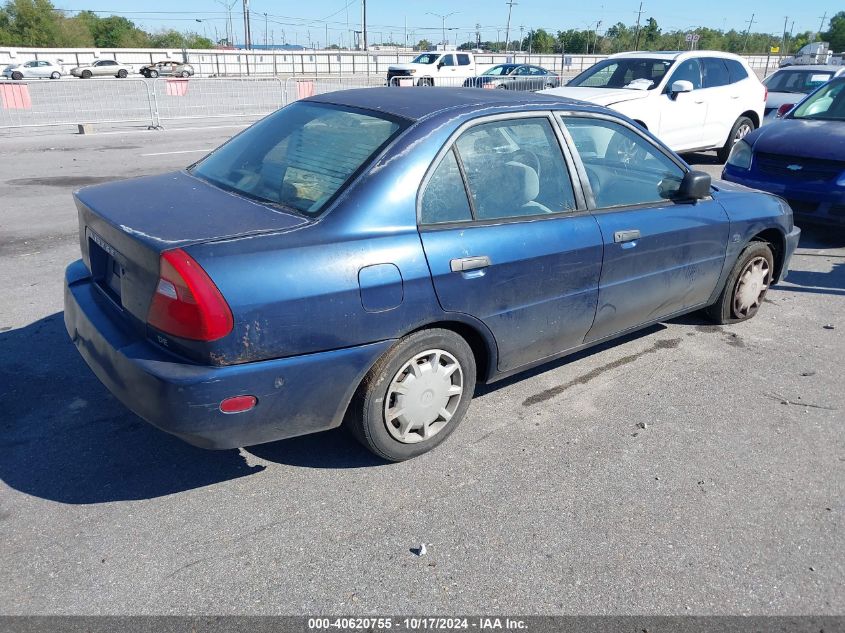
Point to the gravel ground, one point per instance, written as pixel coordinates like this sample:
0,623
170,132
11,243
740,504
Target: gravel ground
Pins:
687,469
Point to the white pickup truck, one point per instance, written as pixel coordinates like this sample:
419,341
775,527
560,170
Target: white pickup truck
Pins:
438,68
815,53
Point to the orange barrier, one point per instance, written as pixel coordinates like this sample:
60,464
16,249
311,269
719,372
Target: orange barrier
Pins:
15,96
176,87
304,89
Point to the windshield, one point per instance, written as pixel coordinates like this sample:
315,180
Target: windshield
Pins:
425,58
502,69
826,104
797,81
299,157
634,73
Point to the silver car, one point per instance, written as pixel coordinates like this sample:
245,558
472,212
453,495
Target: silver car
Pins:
34,69
102,68
167,69
789,85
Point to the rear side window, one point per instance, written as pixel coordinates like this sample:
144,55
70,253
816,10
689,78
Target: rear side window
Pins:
445,199
715,73
463,60
736,70
299,157
515,168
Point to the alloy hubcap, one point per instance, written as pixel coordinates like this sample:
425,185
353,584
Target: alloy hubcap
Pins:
752,286
423,396
743,131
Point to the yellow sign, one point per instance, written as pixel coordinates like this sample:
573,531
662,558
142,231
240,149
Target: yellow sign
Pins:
774,49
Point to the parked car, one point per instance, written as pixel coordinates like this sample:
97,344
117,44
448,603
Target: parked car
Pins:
167,69
692,101
102,68
515,77
788,86
33,69
802,158
371,254
434,69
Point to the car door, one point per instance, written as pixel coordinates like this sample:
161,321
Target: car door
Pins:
683,115
723,101
447,69
507,238
661,256
30,69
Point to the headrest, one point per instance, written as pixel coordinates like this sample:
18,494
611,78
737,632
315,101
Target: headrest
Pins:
521,182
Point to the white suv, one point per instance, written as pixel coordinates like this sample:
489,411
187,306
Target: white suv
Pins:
692,101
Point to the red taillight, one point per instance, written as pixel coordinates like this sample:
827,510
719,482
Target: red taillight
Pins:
786,107
186,302
238,404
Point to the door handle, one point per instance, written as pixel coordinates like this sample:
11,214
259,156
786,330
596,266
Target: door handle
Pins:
626,236
469,263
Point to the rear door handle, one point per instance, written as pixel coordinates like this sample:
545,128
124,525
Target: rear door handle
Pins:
469,263
626,236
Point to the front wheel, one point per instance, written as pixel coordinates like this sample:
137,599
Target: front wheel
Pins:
86,74
17,76
742,128
746,286
415,396
56,75
152,74
185,74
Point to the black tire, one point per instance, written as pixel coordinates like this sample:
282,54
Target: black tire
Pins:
56,75
740,130
426,81
366,417
152,74
86,74
17,76
725,310
122,74
185,74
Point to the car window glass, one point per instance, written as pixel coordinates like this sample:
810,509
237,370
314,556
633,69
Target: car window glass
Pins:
463,60
537,71
515,168
522,70
715,73
623,167
448,60
688,70
445,198
736,70
633,73
826,104
30,64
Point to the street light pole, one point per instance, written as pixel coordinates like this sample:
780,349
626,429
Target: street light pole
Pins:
443,23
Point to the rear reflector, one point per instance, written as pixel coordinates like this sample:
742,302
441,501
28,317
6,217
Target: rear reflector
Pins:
238,404
186,302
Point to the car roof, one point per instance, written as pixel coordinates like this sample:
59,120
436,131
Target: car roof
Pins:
417,102
673,55
811,67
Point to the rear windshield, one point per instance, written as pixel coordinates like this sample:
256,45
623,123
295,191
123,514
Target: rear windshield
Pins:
797,81
300,157
632,72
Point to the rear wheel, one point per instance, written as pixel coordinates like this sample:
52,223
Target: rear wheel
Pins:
17,76
426,81
746,286
122,73
742,128
415,395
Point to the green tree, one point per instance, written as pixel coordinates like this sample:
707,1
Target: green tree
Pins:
835,34
29,23
423,45
539,41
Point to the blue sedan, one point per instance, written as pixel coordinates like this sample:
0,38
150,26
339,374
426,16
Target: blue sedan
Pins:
801,158
365,257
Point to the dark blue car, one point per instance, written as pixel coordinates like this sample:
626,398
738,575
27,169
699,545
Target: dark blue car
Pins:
369,255
801,157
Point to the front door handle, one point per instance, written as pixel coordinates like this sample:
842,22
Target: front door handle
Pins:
469,263
626,236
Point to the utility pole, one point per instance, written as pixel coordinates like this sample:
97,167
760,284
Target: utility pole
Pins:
748,33
510,4
247,34
477,35
639,14
443,23
521,30
364,29
789,41
783,39
265,30
821,25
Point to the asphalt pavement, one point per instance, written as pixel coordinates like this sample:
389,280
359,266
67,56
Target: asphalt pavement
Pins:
687,469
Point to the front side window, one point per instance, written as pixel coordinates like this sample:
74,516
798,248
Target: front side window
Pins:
426,58
623,168
515,168
299,157
636,74
688,70
715,73
445,198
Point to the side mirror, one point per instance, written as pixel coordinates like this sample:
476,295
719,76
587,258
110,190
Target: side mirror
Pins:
694,186
680,86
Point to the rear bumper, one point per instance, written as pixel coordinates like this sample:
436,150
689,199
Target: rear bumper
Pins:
296,395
